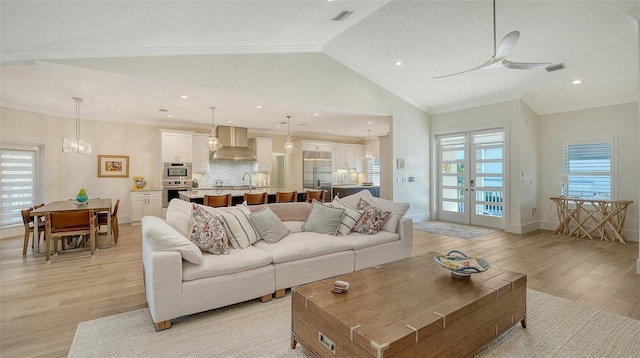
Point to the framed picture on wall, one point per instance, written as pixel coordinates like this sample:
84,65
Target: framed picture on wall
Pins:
113,166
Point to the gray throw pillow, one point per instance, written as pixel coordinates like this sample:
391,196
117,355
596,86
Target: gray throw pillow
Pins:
323,219
268,225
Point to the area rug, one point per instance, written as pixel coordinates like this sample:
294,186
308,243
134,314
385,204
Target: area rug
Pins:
556,327
455,230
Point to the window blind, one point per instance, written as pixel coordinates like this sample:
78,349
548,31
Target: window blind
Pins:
17,184
374,171
589,170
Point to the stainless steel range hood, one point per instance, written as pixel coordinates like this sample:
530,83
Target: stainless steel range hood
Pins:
234,144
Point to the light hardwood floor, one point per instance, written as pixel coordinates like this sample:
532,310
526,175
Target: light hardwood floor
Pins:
41,305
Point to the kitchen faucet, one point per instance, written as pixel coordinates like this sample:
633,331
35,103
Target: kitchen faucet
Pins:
250,179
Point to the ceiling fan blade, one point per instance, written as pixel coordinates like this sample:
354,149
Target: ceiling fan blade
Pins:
506,45
486,64
525,65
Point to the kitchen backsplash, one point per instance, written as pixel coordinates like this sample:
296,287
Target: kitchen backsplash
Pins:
229,172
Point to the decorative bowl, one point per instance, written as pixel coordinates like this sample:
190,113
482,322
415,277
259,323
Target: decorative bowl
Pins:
460,264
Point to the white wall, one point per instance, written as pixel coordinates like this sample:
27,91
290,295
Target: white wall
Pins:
620,122
64,173
306,77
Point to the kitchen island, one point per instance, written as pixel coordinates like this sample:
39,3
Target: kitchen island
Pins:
237,193
342,190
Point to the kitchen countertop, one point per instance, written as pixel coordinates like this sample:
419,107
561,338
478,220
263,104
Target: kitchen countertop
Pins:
201,192
352,186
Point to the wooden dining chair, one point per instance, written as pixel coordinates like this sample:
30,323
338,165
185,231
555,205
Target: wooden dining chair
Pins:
286,196
115,228
70,223
314,194
28,222
217,201
256,198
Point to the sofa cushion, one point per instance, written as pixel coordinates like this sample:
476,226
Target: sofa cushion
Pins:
179,216
353,199
302,245
162,237
372,218
349,219
323,219
294,226
297,211
360,241
237,223
270,228
397,210
218,265
207,232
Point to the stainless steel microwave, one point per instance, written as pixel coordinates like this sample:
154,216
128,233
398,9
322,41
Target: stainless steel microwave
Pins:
176,171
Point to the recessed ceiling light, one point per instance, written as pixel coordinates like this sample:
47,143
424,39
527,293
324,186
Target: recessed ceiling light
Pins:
329,131
576,82
258,106
229,121
398,63
370,122
184,97
316,114
170,115
278,126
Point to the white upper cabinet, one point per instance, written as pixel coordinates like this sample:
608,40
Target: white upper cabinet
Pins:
177,146
349,156
262,148
200,153
317,146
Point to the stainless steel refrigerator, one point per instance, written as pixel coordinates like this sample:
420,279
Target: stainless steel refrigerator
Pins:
316,169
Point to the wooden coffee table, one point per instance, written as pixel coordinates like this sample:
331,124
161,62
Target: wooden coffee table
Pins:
407,308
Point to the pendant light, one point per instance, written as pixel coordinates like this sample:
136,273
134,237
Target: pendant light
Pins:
76,145
289,147
368,154
214,142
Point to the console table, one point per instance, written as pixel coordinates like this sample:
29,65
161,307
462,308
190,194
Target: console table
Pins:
592,217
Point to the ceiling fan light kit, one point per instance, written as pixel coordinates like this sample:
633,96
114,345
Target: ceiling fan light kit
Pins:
500,52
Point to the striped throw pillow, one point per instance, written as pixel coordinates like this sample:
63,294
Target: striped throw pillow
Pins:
237,223
349,218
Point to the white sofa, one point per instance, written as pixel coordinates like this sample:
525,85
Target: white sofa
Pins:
181,280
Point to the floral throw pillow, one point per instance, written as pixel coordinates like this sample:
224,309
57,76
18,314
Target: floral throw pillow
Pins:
207,232
371,220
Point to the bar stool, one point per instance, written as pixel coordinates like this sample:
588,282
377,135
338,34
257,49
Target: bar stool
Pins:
286,196
314,194
217,201
255,198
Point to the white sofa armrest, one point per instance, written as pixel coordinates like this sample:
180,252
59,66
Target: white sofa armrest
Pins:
405,230
162,280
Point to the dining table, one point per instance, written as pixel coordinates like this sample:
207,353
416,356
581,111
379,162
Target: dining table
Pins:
97,205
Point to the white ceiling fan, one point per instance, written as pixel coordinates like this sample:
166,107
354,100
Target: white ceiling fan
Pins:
498,60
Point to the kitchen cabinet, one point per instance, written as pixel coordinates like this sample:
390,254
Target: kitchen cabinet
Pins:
145,203
349,156
177,146
200,153
262,148
316,146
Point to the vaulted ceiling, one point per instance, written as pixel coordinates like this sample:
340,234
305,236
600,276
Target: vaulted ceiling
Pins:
596,40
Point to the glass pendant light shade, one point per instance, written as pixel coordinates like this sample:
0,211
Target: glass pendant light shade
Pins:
214,142
368,154
289,147
76,145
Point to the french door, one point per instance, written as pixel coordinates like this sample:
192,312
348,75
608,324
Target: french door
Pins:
472,177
